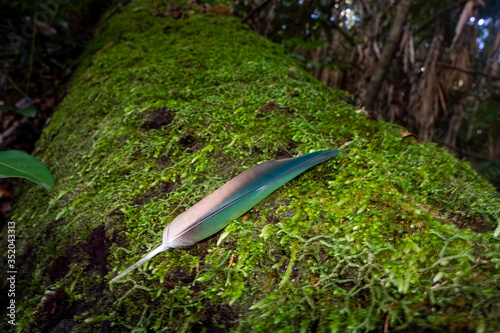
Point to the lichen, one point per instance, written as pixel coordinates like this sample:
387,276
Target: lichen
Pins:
160,113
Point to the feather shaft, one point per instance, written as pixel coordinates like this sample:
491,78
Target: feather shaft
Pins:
141,261
231,200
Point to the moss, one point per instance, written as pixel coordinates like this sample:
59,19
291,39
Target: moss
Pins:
160,113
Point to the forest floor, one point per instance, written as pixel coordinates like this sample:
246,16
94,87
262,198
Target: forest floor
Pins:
52,66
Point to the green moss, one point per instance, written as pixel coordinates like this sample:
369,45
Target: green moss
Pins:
388,229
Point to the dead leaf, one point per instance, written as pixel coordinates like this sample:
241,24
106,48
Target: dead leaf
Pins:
220,10
270,106
5,207
408,134
44,29
160,14
4,192
231,260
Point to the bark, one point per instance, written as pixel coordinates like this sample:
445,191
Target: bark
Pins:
165,107
388,53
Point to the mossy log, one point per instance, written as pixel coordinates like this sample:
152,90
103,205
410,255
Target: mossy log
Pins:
167,105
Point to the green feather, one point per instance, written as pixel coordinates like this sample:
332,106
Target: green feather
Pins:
230,201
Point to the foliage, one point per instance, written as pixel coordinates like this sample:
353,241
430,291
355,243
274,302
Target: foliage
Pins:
445,71
26,111
162,112
15,163
39,42
36,37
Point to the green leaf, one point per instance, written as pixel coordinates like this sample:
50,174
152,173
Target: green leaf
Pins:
307,45
297,56
7,108
14,163
30,112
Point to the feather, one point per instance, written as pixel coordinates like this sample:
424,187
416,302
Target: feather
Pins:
230,201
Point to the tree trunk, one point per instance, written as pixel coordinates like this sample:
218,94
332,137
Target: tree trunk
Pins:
168,105
390,49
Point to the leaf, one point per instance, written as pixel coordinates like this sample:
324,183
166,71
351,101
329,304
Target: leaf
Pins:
408,134
220,10
14,163
497,230
7,108
30,112
298,56
268,107
230,201
314,44
307,45
313,63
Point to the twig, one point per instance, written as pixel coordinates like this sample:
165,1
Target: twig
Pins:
345,145
439,285
14,85
438,15
479,262
291,155
32,57
386,325
10,130
255,10
470,154
180,203
231,260
468,71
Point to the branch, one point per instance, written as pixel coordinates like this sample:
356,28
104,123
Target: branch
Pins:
390,48
470,154
255,10
439,15
468,71
347,36
10,130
